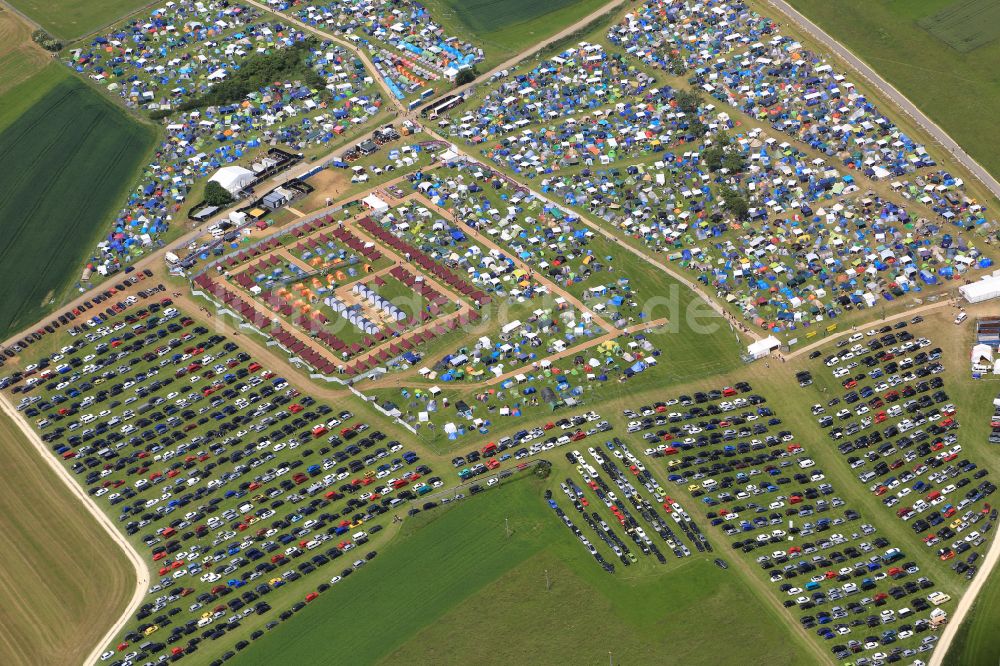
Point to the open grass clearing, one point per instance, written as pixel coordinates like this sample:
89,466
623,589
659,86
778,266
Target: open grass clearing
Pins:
977,641
69,19
471,572
485,16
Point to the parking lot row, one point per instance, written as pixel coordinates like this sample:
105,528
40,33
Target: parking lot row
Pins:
226,475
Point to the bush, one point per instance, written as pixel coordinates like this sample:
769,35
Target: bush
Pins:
734,203
723,155
713,157
217,195
688,101
465,76
46,41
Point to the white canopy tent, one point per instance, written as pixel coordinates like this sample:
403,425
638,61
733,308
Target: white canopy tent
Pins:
233,178
762,348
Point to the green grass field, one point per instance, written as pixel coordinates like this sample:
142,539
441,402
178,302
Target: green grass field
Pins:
958,90
76,155
485,16
481,597
977,641
505,27
16,100
69,19
965,25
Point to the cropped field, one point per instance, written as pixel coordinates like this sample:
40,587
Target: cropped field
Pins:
75,154
27,72
63,582
958,90
20,58
481,597
68,19
965,25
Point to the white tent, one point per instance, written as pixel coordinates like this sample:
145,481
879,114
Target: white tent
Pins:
233,178
982,358
762,348
375,203
982,290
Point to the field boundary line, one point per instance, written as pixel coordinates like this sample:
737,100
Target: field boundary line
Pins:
142,575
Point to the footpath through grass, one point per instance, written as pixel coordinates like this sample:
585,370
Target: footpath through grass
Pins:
68,160
454,588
